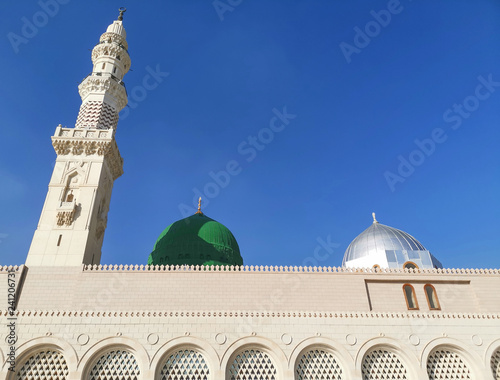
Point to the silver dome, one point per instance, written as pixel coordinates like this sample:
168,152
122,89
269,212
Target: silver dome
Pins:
387,247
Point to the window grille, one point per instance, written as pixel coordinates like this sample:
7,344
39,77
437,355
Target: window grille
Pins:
252,365
383,364
115,365
44,365
446,365
495,365
185,365
318,365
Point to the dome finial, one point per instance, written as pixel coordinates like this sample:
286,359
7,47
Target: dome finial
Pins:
199,207
122,10
374,219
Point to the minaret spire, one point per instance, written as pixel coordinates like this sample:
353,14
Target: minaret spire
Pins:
75,213
103,91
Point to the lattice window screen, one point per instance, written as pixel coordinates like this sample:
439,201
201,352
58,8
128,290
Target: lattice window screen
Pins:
318,365
383,364
185,365
45,365
115,365
444,365
252,365
495,365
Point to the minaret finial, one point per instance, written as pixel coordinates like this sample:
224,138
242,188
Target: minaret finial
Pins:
122,10
199,207
374,219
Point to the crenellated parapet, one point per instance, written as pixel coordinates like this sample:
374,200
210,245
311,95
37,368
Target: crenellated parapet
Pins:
286,269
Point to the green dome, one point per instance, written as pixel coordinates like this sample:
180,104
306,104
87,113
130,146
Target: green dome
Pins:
196,240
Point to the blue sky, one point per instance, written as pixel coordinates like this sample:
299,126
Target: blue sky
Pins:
392,107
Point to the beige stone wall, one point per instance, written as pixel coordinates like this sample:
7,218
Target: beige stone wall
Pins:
151,337
84,313
72,288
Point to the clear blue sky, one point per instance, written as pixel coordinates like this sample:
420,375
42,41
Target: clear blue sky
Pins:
431,71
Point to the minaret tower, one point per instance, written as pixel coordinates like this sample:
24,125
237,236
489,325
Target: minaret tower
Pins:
74,216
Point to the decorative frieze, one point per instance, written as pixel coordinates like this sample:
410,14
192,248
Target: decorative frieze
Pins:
113,50
287,269
104,84
252,314
113,37
109,149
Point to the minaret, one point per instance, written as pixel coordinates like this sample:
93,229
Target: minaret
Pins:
74,216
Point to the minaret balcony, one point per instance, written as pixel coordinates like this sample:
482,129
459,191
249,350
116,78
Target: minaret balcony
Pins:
84,133
67,206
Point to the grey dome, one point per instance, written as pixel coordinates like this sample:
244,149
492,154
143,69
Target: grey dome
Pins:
379,237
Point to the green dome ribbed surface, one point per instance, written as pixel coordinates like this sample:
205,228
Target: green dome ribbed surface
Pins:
196,240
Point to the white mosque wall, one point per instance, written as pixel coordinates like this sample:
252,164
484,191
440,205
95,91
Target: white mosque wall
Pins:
351,319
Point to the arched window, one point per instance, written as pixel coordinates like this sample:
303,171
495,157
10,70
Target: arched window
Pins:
432,298
115,365
411,299
252,364
444,364
410,265
44,365
383,364
376,267
185,365
318,364
495,365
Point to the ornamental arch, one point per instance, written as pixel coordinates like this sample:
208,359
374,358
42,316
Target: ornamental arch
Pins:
335,357
45,358
495,364
116,358
492,359
387,358
195,355
254,356
448,359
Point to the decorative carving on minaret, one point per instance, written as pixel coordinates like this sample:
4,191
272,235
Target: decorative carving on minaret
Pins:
103,92
65,218
88,161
